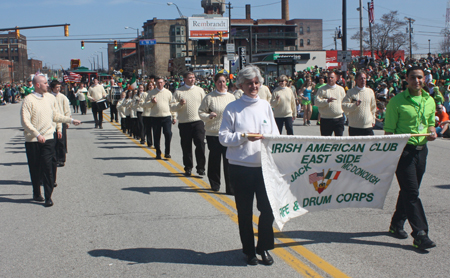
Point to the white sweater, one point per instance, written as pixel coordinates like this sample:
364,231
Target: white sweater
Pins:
246,115
362,116
330,110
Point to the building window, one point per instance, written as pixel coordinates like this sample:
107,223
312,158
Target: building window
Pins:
308,30
301,31
1,50
178,31
308,42
301,42
270,29
16,50
270,42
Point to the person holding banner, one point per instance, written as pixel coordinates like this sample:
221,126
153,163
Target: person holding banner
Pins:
249,115
360,106
411,111
329,101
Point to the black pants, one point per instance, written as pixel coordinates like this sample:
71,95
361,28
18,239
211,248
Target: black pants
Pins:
41,158
328,126
98,115
218,152
129,125
148,130
164,123
123,124
83,107
248,181
285,121
134,127
113,112
140,126
354,131
61,145
410,170
193,132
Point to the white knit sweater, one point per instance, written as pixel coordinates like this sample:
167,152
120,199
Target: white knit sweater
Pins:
189,111
214,102
330,110
362,116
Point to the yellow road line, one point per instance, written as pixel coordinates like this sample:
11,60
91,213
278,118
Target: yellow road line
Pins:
293,261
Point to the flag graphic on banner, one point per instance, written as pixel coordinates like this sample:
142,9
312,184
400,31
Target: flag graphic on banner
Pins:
371,14
72,77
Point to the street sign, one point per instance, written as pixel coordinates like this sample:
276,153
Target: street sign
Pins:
147,42
344,56
230,56
230,48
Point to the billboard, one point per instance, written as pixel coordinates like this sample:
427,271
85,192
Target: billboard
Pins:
201,28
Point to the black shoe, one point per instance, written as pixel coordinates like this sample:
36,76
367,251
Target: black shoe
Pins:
201,172
167,156
96,126
188,172
252,260
60,164
422,241
266,258
38,198
158,156
142,142
101,127
55,185
149,145
398,232
215,189
48,203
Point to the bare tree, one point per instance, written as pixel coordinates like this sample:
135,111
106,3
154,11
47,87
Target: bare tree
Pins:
388,36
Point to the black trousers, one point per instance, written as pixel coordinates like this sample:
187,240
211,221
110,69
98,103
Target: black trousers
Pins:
123,124
148,130
410,170
61,145
164,123
354,131
113,112
328,126
193,132
134,127
41,158
287,122
140,126
83,107
248,181
129,125
98,115
218,152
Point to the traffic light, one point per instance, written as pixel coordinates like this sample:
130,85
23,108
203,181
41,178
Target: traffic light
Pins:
212,39
82,44
115,44
66,30
17,33
221,36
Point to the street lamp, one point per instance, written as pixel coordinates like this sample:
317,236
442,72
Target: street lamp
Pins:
187,28
137,45
429,47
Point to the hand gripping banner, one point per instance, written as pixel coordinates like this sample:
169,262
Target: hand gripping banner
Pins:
311,173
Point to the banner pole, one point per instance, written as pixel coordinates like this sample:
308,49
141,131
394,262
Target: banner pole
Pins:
259,135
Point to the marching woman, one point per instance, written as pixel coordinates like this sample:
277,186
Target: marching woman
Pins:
305,96
133,105
122,111
127,103
141,95
211,112
146,115
245,116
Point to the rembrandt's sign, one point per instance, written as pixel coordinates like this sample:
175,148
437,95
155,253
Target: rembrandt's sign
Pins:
202,28
305,173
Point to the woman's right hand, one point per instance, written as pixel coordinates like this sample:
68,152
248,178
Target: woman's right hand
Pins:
212,115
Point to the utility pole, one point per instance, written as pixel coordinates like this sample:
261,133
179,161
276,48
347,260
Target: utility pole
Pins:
229,32
370,33
344,34
410,21
361,50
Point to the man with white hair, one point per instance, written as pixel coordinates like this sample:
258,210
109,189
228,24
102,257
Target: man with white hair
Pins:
38,113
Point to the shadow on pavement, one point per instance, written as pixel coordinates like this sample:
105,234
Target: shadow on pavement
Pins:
13,163
145,174
120,147
314,237
14,148
172,255
121,158
17,201
18,128
106,143
12,182
15,152
446,186
149,190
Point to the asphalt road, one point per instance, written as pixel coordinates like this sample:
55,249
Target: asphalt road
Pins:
120,213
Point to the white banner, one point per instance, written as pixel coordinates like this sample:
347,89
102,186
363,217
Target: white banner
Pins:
310,173
201,28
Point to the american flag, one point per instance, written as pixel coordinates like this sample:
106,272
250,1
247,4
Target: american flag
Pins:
315,177
72,77
371,15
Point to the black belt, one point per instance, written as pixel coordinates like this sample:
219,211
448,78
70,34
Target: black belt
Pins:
414,147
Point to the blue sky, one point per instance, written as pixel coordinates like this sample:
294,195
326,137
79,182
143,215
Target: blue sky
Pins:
106,19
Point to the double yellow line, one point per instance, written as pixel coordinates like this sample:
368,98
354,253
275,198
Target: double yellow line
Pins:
204,190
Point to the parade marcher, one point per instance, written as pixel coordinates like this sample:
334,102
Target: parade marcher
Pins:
264,93
411,112
141,95
284,106
37,116
211,113
306,96
329,101
95,93
121,109
73,99
159,100
146,115
249,114
113,92
63,108
360,106
187,100
81,95
133,105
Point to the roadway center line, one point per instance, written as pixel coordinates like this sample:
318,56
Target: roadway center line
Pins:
281,252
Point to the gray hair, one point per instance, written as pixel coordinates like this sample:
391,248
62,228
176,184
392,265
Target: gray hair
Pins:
249,73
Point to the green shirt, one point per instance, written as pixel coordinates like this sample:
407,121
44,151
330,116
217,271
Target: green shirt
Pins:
28,90
406,116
